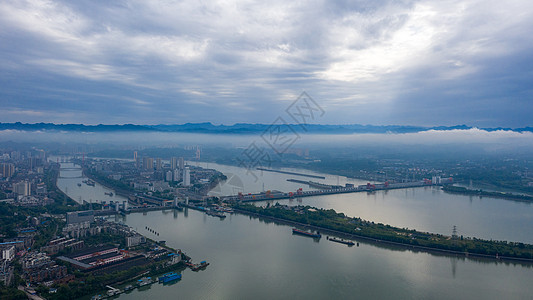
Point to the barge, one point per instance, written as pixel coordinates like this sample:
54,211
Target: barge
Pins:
169,277
316,235
349,243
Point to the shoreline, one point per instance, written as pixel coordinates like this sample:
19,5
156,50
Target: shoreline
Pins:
458,190
377,240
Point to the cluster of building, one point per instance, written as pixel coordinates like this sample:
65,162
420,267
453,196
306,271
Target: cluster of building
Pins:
38,267
12,248
6,268
22,178
165,178
82,223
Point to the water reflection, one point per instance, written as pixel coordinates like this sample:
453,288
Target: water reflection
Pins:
253,256
453,261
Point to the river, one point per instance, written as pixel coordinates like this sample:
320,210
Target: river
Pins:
251,258
425,209
70,181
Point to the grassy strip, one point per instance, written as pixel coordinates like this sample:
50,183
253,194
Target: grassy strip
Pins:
331,220
465,191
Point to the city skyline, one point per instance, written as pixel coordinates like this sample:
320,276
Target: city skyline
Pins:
381,63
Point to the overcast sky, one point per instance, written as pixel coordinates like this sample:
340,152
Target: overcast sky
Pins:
364,62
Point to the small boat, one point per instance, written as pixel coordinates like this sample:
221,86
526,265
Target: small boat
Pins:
349,243
316,235
215,213
79,184
169,277
228,210
144,281
111,293
201,265
128,288
110,194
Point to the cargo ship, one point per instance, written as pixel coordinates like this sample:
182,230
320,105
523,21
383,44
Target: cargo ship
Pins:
316,235
169,277
349,243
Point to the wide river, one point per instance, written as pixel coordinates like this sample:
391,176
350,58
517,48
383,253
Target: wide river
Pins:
255,259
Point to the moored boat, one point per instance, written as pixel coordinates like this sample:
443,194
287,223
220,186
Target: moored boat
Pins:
349,243
316,235
197,267
169,277
144,281
215,213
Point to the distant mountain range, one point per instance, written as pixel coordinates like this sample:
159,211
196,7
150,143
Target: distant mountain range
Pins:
242,128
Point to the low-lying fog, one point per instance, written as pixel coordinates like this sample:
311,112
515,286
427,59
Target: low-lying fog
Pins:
472,139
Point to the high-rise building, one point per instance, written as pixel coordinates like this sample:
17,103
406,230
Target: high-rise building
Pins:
15,155
158,164
186,177
22,188
168,176
7,170
41,154
148,163
173,163
136,159
8,253
197,152
181,163
177,175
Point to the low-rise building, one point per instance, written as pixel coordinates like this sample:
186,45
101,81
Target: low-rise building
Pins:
57,245
6,273
92,257
135,240
80,217
35,260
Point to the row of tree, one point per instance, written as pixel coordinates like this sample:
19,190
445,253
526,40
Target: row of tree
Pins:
329,219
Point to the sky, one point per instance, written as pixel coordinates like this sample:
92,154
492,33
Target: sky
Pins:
171,62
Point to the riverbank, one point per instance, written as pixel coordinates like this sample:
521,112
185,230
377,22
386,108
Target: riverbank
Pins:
115,185
464,191
337,223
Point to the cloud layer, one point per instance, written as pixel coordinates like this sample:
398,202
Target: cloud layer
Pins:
378,62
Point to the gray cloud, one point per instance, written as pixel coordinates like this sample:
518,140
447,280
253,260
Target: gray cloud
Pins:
379,62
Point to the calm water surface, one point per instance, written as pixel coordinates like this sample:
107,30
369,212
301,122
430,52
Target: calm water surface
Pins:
251,258
71,175
426,209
